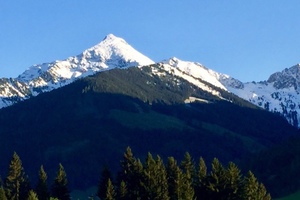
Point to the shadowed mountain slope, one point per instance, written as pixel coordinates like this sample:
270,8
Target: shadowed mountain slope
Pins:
89,123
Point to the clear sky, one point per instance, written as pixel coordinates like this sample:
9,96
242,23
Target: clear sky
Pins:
248,40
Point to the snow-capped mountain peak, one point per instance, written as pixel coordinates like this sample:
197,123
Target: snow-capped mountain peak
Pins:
289,77
280,93
110,53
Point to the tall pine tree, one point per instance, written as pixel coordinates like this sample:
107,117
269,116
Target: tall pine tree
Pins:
189,174
217,180
2,194
102,186
110,191
131,174
122,191
155,179
174,175
180,186
16,182
42,187
32,195
59,188
201,180
254,190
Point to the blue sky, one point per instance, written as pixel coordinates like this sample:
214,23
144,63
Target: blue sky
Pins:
248,40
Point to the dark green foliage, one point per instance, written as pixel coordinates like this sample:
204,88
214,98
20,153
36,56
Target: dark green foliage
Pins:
122,191
280,165
16,182
2,194
32,195
131,174
42,186
189,175
217,180
149,180
25,188
175,179
234,181
59,188
110,191
154,181
252,189
102,187
188,166
200,180
172,182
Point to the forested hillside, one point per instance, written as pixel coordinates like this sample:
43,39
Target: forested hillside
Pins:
91,121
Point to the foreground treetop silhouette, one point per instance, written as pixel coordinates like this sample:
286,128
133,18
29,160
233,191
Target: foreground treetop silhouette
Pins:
151,179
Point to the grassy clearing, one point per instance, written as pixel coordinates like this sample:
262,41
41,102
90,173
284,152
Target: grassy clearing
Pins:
146,121
294,196
248,142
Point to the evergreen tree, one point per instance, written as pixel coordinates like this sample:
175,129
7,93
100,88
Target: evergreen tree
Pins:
2,194
32,195
110,191
155,179
174,175
188,166
254,190
217,180
250,186
202,171
200,188
59,188
262,193
122,192
180,185
189,176
187,188
102,186
131,174
16,182
233,183
24,188
42,187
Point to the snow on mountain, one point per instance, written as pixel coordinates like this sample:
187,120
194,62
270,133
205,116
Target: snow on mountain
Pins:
194,73
110,53
280,93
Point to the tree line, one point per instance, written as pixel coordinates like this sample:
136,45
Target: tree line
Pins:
16,185
151,179
155,180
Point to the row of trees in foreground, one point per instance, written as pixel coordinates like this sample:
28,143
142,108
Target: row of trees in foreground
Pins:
155,180
151,180
16,185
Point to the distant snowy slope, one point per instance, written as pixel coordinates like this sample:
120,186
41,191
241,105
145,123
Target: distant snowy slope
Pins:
280,93
110,53
193,72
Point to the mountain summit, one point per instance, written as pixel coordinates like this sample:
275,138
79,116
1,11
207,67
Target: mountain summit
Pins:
110,53
280,93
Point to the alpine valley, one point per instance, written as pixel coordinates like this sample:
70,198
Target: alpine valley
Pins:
84,111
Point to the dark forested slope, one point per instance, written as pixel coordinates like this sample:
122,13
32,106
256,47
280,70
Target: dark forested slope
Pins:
89,123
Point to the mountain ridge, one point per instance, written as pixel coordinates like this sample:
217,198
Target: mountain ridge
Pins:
280,93
111,52
111,110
